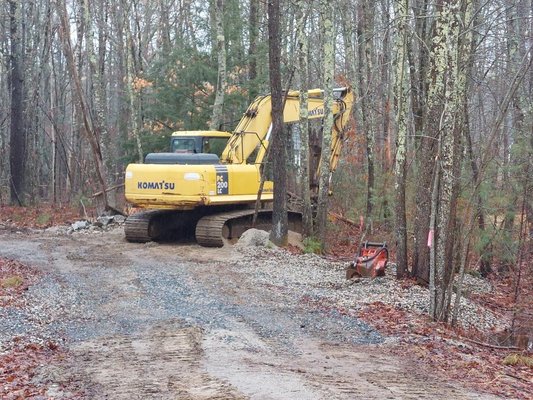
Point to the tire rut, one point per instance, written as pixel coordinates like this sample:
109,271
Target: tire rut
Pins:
163,362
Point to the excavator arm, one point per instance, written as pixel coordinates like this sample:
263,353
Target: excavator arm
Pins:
252,134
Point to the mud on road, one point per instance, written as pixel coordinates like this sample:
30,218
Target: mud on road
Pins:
179,321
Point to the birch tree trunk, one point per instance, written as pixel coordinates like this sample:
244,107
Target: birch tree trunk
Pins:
401,96
218,106
328,28
449,87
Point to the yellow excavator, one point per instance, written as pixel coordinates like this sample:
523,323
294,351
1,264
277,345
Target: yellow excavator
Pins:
192,191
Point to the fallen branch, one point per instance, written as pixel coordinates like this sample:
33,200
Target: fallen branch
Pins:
491,346
518,378
344,219
84,210
331,213
107,190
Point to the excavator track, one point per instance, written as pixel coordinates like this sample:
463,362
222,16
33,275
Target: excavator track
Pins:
157,225
211,230
140,227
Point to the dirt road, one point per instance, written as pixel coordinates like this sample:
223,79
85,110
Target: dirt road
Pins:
178,321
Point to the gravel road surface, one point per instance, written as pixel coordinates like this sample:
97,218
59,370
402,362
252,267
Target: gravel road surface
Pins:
177,321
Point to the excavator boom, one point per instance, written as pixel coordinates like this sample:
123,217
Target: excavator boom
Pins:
254,128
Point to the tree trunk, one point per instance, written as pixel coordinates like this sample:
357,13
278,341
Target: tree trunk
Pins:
440,101
252,49
384,140
279,232
17,136
329,70
425,145
400,171
218,107
133,93
432,269
365,31
448,88
97,90
302,11
486,259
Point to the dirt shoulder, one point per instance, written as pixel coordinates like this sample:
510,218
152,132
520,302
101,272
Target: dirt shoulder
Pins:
181,321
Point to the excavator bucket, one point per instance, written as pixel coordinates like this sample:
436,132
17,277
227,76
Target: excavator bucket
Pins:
370,262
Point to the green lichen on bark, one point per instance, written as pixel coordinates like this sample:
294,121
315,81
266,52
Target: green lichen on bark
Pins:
329,70
218,106
401,95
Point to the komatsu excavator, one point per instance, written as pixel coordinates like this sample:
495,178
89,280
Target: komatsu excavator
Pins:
215,195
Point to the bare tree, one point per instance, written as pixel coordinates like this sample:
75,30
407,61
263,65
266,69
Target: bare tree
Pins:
326,8
17,132
401,105
81,103
279,232
218,106
302,12
252,47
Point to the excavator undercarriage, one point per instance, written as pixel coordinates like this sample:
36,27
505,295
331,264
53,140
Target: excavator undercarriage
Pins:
210,227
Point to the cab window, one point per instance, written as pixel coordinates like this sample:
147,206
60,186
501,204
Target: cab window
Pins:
214,145
183,145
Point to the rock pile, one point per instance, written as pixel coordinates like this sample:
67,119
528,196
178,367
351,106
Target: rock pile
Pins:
253,238
103,222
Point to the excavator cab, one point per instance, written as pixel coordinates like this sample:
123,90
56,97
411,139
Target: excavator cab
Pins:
196,142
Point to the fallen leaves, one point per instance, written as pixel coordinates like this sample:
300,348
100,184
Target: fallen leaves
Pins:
450,352
41,216
393,321
15,278
19,366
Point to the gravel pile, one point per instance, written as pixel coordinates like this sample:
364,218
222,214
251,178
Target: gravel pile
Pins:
472,284
325,281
